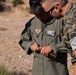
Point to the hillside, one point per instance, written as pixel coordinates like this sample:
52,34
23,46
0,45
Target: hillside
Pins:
20,10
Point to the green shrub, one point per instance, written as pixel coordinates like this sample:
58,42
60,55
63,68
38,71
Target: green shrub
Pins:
4,71
17,2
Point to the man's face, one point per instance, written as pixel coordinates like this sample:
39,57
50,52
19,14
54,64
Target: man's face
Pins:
54,11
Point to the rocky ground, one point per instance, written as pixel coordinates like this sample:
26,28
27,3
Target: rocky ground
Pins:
11,54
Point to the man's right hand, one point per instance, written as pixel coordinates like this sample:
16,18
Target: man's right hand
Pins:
34,47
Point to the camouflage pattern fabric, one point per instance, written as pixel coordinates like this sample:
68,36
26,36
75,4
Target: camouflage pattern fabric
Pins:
70,26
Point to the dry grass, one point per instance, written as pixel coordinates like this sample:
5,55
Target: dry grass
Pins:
19,11
3,29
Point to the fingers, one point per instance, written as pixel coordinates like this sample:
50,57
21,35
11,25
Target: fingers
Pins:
39,48
44,52
35,47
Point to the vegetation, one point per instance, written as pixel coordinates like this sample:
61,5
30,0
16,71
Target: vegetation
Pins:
4,71
17,2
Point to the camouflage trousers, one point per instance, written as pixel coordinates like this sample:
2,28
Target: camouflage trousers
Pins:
70,66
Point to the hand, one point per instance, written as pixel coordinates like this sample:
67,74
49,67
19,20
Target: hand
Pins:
46,50
34,47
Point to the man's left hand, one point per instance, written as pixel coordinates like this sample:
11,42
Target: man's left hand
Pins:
46,50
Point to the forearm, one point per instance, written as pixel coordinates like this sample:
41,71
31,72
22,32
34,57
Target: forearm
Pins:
60,47
26,45
26,40
75,69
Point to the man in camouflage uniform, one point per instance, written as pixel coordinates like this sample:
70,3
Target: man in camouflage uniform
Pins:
58,9
42,39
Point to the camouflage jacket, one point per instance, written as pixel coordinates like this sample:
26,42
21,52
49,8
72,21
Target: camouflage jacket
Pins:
70,24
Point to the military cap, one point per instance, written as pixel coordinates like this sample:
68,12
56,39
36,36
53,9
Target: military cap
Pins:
32,2
50,3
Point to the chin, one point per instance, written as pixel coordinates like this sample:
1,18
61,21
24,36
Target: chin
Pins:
58,17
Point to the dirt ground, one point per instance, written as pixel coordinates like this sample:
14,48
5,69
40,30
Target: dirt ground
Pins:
11,54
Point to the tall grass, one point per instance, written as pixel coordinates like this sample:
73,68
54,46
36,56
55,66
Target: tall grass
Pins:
4,71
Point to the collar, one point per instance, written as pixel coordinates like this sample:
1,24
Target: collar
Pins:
49,21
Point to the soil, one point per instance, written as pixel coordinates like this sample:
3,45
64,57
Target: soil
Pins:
11,54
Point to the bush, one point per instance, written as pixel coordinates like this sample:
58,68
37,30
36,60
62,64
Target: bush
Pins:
17,2
4,71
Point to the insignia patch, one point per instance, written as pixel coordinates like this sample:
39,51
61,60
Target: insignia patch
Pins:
49,32
37,32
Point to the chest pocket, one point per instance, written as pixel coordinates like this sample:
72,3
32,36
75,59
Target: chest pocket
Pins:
50,36
49,33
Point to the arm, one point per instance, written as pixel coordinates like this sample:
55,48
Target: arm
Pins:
26,39
75,69
70,33
59,46
52,49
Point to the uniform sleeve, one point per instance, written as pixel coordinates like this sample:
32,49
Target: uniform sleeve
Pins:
70,25
60,47
26,39
70,31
